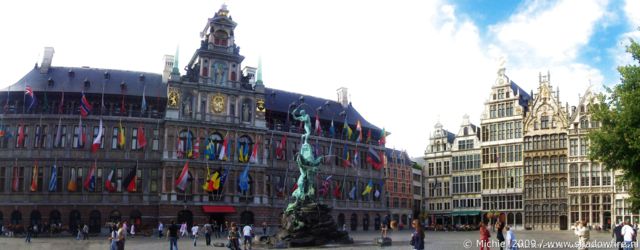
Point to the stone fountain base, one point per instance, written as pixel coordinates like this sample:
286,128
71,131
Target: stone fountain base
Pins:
309,224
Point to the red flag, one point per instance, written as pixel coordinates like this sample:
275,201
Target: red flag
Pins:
181,182
34,178
122,108
108,184
90,181
85,106
142,140
280,150
295,186
98,140
130,180
336,191
20,135
15,183
318,127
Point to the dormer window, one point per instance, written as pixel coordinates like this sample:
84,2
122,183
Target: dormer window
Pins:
220,38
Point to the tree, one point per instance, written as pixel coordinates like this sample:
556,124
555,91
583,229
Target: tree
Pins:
617,142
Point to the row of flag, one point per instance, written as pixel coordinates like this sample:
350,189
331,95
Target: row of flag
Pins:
89,183
348,133
325,185
85,106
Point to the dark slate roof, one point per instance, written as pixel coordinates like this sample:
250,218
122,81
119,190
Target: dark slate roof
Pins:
399,154
524,96
62,81
279,101
450,136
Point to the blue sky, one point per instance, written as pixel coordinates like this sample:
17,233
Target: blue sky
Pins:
407,64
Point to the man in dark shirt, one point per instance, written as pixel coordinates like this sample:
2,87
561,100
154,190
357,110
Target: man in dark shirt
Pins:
617,233
173,236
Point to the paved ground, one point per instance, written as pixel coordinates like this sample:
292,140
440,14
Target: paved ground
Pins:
363,240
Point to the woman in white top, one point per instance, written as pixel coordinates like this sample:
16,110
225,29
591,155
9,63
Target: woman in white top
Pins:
582,231
133,230
194,232
183,229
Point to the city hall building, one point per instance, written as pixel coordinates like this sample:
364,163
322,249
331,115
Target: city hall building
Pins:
82,145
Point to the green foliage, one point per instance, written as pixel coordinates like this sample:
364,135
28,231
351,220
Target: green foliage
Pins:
617,142
416,166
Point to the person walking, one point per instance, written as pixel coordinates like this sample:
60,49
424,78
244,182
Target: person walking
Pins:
500,235
582,231
617,235
207,233
29,232
194,233
113,238
216,229
160,229
173,236
264,228
233,237
510,238
183,230
85,232
122,236
133,230
247,232
484,237
417,238
628,233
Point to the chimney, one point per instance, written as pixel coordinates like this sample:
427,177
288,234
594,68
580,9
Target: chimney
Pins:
343,97
168,66
46,60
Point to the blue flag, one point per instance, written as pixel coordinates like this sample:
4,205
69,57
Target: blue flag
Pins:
332,130
244,179
53,182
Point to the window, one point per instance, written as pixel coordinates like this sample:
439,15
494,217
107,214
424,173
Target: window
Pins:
134,139
4,140
79,136
584,175
21,142
155,144
573,147
509,107
544,122
492,111
99,183
595,174
606,178
40,136
39,178
573,175
20,175
2,178
114,138
96,129
518,126
584,122
583,145
60,136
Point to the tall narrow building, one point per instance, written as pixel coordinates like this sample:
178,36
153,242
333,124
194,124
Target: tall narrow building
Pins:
545,160
465,168
438,176
501,138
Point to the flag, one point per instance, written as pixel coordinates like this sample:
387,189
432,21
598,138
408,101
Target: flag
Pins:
123,110
368,136
224,150
318,127
359,130
345,156
368,188
181,182
383,139
81,135
20,136
243,151
15,182
72,186
98,140
34,178
324,189
332,130
196,148
142,140
53,181
61,105
85,106
121,137
28,91
244,179
180,150
58,139
46,103
207,186
215,178
346,130
223,178
295,187
189,145
356,157
374,159
337,192
143,106
90,181
130,180
352,193
108,184
254,153
209,150
281,148
376,194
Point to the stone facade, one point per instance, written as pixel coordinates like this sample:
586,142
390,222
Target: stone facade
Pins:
437,172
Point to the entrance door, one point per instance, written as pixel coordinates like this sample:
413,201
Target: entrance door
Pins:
563,222
607,220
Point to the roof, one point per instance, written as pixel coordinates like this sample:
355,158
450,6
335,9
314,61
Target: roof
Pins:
279,101
63,82
450,136
524,96
389,152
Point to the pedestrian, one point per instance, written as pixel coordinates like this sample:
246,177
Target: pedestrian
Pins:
264,228
417,238
617,235
216,229
233,237
173,236
35,231
500,235
383,230
207,233
122,236
194,233
628,233
247,232
29,232
125,227
183,229
160,229
113,238
582,231
510,239
85,232
133,230
78,233
484,236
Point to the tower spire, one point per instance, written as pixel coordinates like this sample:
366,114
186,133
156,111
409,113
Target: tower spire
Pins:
175,69
259,73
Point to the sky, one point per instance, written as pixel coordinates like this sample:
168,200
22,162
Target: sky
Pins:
407,64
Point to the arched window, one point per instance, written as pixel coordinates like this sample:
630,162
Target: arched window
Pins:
466,131
35,217
233,76
95,221
135,217
340,220
115,216
186,142
1,218
205,68
75,220
573,175
213,146
354,222
16,217
245,147
365,222
185,216
55,217
247,110
220,38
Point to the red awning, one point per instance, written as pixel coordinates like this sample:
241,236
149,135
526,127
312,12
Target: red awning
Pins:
218,209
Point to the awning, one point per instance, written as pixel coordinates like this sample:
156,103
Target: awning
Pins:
462,213
218,209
